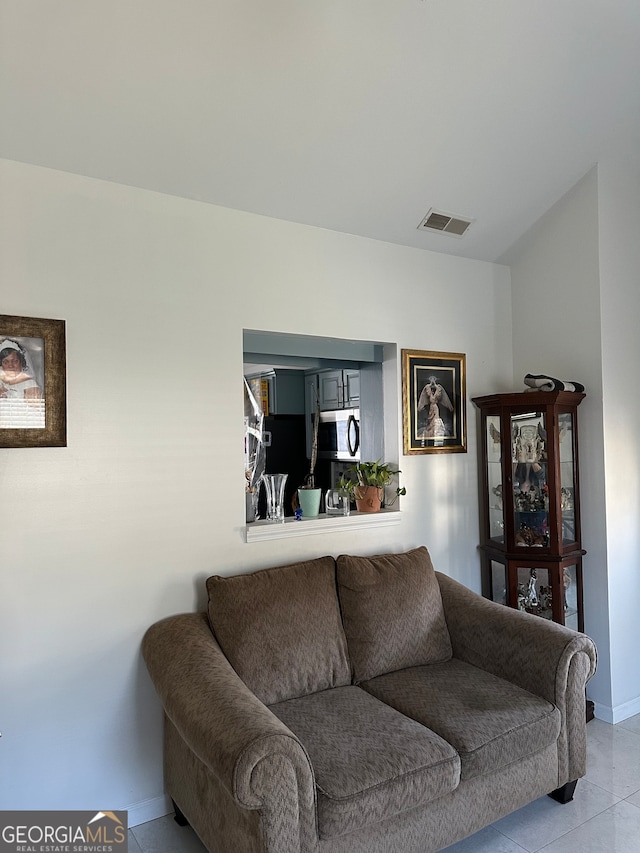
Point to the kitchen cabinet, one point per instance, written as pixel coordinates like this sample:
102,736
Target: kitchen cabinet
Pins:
339,389
281,391
530,503
333,389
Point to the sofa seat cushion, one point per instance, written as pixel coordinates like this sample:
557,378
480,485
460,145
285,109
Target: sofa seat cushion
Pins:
490,722
392,612
280,628
369,761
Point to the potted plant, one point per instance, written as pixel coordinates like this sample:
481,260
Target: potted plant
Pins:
308,495
367,485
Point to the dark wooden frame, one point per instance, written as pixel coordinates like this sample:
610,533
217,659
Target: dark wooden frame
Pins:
450,370
52,333
559,553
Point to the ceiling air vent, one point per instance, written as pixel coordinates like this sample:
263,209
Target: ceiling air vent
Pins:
445,223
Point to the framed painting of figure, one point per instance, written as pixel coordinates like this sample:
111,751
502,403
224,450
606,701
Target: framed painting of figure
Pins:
33,411
434,402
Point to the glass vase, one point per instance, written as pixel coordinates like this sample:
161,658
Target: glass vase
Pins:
274,488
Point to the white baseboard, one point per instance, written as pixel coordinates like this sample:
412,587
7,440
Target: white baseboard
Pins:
619,713
629,709
602,712
149,810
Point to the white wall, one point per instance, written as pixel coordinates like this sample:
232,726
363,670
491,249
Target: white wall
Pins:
619,220
122,527
575,308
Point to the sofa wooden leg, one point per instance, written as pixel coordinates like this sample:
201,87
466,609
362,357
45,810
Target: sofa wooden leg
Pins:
179,818
565,793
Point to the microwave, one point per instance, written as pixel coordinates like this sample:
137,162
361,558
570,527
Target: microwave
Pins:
339,435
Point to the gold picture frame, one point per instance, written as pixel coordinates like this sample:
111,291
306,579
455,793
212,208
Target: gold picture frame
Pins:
434,402
33,406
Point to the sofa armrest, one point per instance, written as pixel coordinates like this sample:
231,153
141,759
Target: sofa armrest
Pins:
531,652
253,754
540,656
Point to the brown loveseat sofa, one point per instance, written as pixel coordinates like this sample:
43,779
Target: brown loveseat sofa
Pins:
363,704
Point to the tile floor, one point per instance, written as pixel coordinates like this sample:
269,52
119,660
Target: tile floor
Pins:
604,816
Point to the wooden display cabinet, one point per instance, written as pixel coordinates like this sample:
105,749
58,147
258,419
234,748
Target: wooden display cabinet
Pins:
530,527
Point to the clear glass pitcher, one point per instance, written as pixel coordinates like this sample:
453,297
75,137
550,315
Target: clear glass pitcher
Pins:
337,502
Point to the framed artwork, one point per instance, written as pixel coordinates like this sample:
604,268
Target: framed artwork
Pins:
33,407
434,403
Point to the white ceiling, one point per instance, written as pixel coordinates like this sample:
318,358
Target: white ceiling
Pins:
352,115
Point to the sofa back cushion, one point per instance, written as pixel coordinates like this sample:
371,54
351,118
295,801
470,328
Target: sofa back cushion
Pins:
280,629
392,612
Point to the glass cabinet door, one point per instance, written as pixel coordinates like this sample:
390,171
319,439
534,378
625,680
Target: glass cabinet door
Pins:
498,582
530,489
494,479
534,591
570,597
537,589
567,478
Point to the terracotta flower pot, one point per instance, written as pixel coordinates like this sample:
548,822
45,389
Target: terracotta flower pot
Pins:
368,498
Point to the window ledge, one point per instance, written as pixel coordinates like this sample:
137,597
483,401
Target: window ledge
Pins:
260,531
